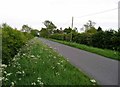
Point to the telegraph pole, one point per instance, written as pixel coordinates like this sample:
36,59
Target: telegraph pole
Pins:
72,23
71,30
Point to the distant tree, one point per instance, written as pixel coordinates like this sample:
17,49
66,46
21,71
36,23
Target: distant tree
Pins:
119,30
35,32
57,31
67,30
61,30
89,25
99,29
26,28
44,32
49,26
92,30
75,29
4,25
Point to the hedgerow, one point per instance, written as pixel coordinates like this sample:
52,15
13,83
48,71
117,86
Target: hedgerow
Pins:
12,41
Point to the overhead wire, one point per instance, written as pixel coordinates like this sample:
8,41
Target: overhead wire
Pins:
101,12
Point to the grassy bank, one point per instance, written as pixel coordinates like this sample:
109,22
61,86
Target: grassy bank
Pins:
38,64
103,52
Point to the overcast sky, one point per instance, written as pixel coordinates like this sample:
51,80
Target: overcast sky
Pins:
35,12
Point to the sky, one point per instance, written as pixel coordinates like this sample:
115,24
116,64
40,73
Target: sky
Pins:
34,12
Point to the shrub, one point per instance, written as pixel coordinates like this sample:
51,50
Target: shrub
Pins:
12,41
57,36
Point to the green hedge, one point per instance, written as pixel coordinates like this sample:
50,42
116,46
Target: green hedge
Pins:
12,41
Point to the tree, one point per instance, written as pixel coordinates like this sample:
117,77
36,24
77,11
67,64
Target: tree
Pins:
89,25
99,29
49,26
26,28
35,32
44,32
67,30
57,31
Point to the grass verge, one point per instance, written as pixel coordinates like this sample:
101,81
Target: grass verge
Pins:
103,52
38,64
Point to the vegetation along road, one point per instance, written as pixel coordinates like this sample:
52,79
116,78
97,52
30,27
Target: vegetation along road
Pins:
102,69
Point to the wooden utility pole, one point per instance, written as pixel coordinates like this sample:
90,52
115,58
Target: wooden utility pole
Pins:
72,23
71,30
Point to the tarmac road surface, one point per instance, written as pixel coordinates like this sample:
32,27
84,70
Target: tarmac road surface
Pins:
103,70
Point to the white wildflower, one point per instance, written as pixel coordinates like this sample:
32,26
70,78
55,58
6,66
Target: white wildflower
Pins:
12,83
57,73
6,79
3,66
62,61
5,72
18,72
54,57
23,72
8,74
39,78
58,63
13,59
24,54
32,56
53,67
93,81
1,78
41,83
19,79
33,83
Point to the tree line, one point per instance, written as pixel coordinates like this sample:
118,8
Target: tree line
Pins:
108,39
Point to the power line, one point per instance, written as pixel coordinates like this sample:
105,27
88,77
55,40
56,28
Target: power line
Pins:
105,11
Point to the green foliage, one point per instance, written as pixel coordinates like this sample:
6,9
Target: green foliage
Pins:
108,39
83,38
49,26
44,33
26,28
99,29
67,30
41,65
92,30
0,45
12,41
35,32
89,25
57,36
57,31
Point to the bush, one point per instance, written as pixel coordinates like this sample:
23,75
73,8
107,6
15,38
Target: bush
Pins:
57,36
12,41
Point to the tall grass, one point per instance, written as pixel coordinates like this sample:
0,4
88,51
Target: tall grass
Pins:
38,64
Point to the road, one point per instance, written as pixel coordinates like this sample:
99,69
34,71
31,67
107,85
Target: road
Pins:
103,70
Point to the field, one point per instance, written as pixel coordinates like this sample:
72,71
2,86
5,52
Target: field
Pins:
38,64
